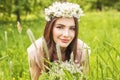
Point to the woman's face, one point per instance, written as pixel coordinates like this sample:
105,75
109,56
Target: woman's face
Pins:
64,31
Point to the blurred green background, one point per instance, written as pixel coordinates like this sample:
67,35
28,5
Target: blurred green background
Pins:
12,10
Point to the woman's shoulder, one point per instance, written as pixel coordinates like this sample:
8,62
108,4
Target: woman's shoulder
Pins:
81,45
35,52
35,47
82,51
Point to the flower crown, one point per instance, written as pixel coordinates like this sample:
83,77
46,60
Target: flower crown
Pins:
65,9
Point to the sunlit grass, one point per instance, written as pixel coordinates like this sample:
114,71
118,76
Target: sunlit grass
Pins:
100,30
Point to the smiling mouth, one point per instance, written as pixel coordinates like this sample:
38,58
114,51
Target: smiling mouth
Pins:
64,40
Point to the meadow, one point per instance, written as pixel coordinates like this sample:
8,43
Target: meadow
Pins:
100,30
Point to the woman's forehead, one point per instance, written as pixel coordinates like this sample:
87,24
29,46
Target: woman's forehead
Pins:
65,21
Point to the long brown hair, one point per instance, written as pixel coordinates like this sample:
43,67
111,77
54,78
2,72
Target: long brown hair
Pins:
48,35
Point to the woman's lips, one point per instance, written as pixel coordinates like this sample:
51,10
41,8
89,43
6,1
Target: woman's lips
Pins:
65,40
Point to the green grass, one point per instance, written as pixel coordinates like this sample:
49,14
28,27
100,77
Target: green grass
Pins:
100,30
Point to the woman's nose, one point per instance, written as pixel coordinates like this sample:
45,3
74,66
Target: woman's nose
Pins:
66,32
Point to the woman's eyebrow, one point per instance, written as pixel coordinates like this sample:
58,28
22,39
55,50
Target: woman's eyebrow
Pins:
60,24
65,25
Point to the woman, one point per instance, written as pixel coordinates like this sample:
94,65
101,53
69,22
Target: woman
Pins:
62,29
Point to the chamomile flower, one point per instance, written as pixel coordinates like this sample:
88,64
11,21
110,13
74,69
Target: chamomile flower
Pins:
65,9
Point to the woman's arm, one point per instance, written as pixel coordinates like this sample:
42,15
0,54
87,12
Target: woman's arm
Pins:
35,71
82,56
34,59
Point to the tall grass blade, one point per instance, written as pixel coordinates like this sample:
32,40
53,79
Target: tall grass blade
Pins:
46,49
101,68
4,57
11,66
111,72
103,59
6,39
59,53
68,75
106,72
72,57
31,36
114,64
97,62
19,27
107,66
107,43
42,61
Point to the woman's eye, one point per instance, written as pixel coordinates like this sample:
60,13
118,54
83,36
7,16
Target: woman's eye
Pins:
72,28
59,27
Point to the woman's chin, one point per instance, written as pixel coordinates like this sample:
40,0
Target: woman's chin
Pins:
64,45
